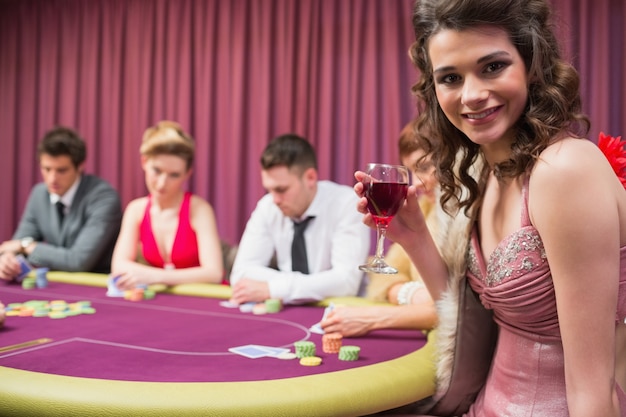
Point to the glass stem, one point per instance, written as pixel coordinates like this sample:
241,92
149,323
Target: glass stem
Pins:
380,241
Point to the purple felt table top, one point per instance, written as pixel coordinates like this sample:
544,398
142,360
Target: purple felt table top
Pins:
173,338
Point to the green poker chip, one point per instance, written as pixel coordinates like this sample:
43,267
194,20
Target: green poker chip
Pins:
304,348
349,353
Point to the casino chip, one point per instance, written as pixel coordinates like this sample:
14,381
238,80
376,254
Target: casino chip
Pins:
304,348
55,309
349,353
287,355
331,342
311,361
273,305
259,309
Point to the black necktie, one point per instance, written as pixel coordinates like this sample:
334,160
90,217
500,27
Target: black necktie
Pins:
298,247
61,211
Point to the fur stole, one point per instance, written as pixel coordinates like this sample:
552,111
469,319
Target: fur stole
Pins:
452,238
466,334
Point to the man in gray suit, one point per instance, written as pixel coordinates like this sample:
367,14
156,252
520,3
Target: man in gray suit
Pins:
71,219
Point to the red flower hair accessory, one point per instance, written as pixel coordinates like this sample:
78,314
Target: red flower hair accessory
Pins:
613,149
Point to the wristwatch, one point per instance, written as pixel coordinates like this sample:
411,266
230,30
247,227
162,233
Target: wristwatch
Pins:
26,242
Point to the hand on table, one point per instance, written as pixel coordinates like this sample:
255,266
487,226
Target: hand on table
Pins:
2,314
131,279
350,321
249,290
9,266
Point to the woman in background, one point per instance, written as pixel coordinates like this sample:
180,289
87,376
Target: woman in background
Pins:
413,307
174,231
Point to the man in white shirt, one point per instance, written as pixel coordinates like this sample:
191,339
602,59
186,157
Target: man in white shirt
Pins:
336,240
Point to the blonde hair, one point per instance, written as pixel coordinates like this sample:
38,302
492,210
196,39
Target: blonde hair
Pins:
168,138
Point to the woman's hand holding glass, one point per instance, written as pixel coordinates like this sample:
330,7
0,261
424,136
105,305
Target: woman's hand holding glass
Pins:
408,223
385,188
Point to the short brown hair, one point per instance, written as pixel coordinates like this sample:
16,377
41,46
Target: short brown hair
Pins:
63,141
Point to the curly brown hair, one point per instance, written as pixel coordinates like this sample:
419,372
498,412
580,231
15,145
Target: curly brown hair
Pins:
553,106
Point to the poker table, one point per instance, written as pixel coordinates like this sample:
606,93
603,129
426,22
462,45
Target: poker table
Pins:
170,356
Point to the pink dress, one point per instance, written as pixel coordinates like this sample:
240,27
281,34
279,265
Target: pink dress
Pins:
527,374
184,253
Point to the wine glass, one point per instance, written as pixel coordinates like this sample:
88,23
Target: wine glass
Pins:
385,187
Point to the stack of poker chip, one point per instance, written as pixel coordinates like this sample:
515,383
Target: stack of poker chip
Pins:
138,294
304,348
273,305
29,283
41,277
331,342
349,353
39,281
56,309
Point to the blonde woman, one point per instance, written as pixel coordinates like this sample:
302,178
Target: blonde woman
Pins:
169,236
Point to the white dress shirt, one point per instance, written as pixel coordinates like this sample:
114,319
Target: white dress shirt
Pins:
66,198
337,243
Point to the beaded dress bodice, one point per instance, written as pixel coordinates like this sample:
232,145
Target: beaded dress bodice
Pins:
527,374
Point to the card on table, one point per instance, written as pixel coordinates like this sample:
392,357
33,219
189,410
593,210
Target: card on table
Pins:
112,290
257,351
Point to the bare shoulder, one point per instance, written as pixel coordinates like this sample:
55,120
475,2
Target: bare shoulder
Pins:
572,178
570,152
570,162
200,207
136,208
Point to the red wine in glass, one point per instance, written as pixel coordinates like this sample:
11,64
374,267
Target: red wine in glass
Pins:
384,199
385,188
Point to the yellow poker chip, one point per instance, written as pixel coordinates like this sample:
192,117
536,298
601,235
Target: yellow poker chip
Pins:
311,361
12,313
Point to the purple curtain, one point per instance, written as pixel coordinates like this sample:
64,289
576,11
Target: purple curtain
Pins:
235,73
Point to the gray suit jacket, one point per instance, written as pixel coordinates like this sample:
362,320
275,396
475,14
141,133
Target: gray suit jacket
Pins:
85,241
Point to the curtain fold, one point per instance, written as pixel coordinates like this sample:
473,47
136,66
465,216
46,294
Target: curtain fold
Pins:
236,73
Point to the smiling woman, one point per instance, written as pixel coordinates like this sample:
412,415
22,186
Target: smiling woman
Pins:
503,114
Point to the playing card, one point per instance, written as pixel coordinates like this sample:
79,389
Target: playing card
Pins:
112,290
257,351
25,267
